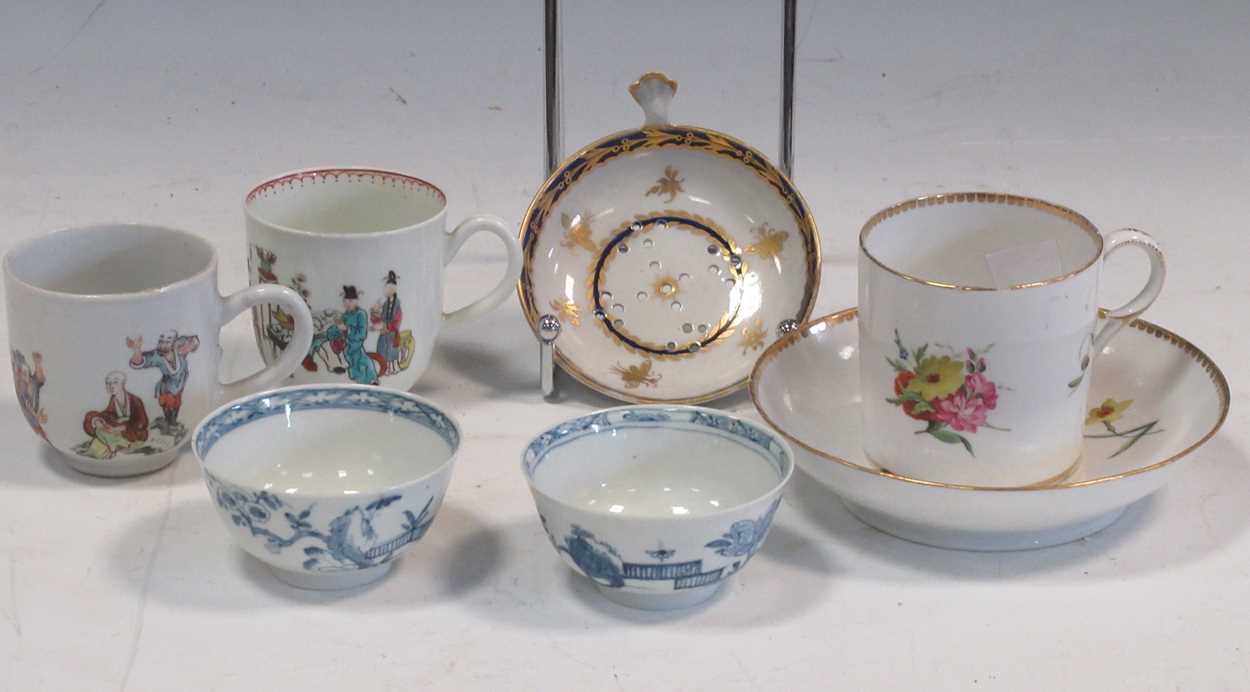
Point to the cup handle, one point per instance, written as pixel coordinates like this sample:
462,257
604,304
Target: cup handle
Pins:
294,352
1116,319
500,292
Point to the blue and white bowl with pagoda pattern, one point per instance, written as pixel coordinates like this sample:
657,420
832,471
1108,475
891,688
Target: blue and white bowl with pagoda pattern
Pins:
657,505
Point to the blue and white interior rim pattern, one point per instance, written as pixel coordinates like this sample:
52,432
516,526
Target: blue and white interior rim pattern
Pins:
670,417
284,401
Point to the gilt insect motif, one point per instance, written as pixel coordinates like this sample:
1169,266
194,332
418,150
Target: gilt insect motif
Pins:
768,242
667,184
577,232
637,375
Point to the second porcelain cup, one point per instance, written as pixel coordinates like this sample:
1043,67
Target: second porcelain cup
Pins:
366,249
978,316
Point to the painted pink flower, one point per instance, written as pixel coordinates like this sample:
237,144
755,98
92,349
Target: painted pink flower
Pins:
978,386
961,411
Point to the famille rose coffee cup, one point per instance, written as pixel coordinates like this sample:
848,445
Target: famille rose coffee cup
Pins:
113,334
978,325
366,249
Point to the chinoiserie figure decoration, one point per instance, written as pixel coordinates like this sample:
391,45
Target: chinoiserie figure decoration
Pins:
121,426
170,358
388,315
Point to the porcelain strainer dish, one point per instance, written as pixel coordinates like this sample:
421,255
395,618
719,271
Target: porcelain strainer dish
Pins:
671,254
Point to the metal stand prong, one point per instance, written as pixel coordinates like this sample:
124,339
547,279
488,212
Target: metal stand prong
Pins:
549,325
548,330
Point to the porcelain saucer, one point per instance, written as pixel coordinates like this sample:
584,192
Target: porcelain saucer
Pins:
670,254
1154,398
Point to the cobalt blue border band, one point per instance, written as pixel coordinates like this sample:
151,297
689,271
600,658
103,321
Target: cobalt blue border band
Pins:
648,417
382,401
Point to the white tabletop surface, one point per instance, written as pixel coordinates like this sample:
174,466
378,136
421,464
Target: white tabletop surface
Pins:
166,111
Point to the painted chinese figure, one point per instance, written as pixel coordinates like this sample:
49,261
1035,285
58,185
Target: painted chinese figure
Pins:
388,315
360,367
351,329
28,380
328,343
170,357
120,426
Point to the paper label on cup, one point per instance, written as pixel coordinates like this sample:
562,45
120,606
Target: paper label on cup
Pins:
1025,264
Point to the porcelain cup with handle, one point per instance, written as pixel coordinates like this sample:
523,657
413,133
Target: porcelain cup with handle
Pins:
366,249
113,335
978,325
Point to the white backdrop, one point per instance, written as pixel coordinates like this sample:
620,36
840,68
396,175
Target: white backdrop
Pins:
165,112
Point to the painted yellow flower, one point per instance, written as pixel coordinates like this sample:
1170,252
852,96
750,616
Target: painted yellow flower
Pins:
936,377
1108,411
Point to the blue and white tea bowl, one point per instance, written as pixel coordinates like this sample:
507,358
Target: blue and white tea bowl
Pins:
326,484
657,505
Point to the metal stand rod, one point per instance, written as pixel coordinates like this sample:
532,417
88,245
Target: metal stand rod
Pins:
785,153
551,57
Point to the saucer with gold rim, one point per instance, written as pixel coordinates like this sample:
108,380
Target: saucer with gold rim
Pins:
670,254
1154,398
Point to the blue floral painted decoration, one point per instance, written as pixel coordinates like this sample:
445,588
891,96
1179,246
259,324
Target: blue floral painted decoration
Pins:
348,542
744,537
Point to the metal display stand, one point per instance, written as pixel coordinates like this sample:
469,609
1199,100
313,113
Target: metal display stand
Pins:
549,325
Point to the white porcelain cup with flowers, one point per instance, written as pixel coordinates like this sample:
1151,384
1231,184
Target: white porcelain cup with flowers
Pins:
978,325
